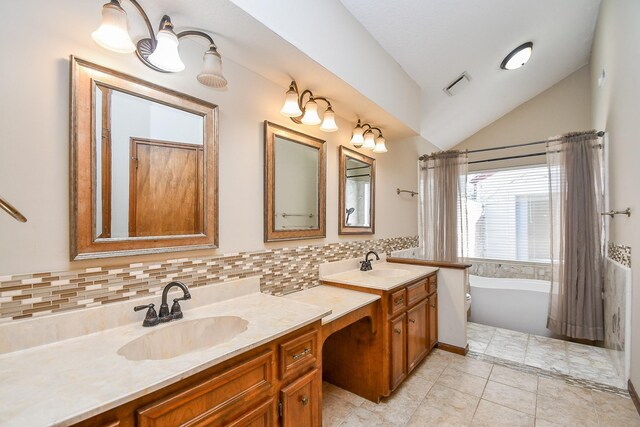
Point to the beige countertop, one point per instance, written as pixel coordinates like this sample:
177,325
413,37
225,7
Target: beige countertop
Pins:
339,301
64,382
384,276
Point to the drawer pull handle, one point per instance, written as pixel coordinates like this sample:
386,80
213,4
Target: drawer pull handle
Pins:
399,300
304,400
412,320
397,331
301,354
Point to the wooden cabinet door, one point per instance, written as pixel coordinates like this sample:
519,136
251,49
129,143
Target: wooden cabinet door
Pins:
262,416
433,320
417,334
301,401
398,349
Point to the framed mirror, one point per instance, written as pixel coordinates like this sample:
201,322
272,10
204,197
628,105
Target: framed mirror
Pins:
356,193
294,185
144,170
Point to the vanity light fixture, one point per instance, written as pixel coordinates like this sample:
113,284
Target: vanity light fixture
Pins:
517,57
364,136
159,52
307,112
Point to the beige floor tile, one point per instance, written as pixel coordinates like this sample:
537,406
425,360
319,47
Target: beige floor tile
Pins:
511,397
614,410
429,371
514,378
335,410
361,417
399,407
478,345
328,388
462,381
455,403
566,410
427,416
559,389
472,366
490,414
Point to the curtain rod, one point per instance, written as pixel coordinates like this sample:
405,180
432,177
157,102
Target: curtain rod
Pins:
481,150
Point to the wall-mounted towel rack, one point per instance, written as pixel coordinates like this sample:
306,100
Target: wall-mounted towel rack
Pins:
6,206
626,212
413,193
284,215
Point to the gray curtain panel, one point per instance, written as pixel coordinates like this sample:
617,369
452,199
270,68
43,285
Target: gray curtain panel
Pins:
442,213
577,253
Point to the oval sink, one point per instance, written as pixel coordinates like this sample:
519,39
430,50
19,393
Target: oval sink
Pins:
388,272
183,337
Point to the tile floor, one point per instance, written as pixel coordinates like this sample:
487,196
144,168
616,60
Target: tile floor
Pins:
553,355
451,390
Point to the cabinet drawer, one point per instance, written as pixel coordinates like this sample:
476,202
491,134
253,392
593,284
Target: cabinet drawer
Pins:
417,291
433,284
213,400
297,354
397,301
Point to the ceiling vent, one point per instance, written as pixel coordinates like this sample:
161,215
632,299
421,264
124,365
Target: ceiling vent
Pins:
458,84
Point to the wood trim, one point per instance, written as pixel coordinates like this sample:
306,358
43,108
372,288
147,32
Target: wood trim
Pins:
369,311
106,163
453,349
634,395
271,130
84,77
345,152
440,264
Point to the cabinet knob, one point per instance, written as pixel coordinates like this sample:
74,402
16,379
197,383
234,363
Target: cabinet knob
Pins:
412,320
304,400
397,331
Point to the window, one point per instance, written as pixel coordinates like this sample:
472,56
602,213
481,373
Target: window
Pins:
508,214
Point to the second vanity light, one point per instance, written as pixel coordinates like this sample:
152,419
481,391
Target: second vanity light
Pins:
307,112
159,52
364,137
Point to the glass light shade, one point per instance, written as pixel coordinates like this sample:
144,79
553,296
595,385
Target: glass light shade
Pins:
329,122
380,146
166,56
311,116
369,141
518,57
112,33
357,139
291,107
211,74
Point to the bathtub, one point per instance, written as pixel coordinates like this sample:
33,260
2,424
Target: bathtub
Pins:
516,304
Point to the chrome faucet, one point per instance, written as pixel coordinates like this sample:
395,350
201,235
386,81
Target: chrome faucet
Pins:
152,318
366,264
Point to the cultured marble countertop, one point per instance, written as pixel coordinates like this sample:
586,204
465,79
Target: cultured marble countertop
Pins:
339,301
65,382
396,275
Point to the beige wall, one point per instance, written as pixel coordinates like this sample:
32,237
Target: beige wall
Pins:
616,108
34,160
562,108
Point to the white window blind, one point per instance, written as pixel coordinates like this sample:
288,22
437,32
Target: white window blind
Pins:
508,214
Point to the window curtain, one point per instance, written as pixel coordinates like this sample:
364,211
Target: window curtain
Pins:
442,213
577,246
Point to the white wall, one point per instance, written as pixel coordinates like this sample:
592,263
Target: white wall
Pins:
34,160
616,108
564,107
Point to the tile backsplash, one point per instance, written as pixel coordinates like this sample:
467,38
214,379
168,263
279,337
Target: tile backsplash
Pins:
510,269
283,270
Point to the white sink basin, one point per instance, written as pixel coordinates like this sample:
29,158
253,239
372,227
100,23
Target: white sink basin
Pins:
388,272
183,337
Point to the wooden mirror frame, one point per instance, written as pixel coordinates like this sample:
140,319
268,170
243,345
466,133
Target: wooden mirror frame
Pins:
271,130
342,181
84,78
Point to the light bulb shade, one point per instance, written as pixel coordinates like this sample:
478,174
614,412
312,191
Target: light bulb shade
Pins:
380,146
291,107
311,116
357,139
112,33
329,121
517,57
369,141
166,56
211,74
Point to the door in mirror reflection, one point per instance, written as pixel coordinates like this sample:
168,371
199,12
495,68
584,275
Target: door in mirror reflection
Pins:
149,168
356,193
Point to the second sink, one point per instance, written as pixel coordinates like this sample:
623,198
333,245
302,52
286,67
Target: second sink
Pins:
388,272
181,338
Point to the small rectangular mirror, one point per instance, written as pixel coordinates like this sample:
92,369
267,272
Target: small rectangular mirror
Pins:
294,185
356,193
143,166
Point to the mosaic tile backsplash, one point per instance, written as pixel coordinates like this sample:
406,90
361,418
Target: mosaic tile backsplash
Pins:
283,270
510,269
619,253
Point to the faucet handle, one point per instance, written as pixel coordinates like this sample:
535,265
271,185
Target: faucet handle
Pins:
151,318
176,310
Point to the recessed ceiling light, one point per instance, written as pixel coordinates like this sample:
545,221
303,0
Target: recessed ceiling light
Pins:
518,57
